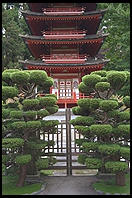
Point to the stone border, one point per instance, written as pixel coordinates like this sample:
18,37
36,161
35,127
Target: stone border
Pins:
37,192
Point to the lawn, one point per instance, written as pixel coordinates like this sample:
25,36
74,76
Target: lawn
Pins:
110,186
9,186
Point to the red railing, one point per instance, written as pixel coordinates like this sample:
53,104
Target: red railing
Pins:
64,58
64,34
64,11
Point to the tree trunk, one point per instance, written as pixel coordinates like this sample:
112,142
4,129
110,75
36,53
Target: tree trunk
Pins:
120,179
22,176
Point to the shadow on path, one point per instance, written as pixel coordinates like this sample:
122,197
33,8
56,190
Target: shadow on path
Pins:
69,185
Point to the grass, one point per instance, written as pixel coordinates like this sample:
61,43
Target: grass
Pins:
110,186
9,186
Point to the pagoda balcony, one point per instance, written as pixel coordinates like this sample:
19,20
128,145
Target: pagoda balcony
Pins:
64,58
74,34
64,11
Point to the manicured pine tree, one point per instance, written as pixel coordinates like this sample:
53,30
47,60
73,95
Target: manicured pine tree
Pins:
104,123
23,124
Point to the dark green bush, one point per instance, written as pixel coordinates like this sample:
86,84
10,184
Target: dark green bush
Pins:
23,159
53,109
84,103
34,124
19,125
42,113
108,105
37,145
47,101
126,101
38,77
5,159
93,163
116,79
16,114
101,129
109,149
87,146
8,92
82,120
125,152
124,130
42,163
20,77
124,116
91,80
30,115
116,167
83,88
82,158
83,130
51,95
102,86
5,113
30,104
12,142
101,73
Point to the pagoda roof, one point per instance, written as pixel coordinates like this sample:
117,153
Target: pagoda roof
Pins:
55,17
47,41
90,62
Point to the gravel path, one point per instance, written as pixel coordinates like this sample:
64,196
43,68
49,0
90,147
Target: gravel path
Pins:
69,185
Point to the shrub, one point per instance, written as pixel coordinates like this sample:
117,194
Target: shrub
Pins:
87,146
124,130
91,80
23,159
46,101
5,113
42,113
51,95
101,73
83,88
38,77
102,86
19,125
93,163
37,145
116,79
42,163
53,109
33,124
101,129
125,152
30,104
82,158
84,103
5,158
82,120
108,105
109,149
116,167
124,116
126,101
16,114
8,92
20,77
12,142
30,115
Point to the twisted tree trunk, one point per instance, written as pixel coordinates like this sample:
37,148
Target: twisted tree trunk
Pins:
22,175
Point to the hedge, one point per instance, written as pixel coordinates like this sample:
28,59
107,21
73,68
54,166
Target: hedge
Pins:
116,167
82,158
23,159
93,163
42,163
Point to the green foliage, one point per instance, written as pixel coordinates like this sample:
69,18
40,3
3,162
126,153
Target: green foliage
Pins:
125,152
101,129
42,113
38,77
51,95
91,80
124,116
93,163
23,159
5,158
84,103
83,88
108,105
87,146
124,130
116,167
8,92
109,149
82,158
16,114
19,125
46,101
33,124
42,163
20,77
30,115
53,109
12,142
40,144
102,86
116,79
5,113
101,73
30,104
126,101
82,120
84,130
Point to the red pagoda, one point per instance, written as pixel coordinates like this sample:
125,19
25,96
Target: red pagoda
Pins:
64,43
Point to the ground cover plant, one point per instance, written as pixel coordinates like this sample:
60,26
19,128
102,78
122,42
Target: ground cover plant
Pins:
23,111
104,123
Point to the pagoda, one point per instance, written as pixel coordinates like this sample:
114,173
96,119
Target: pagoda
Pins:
64,42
